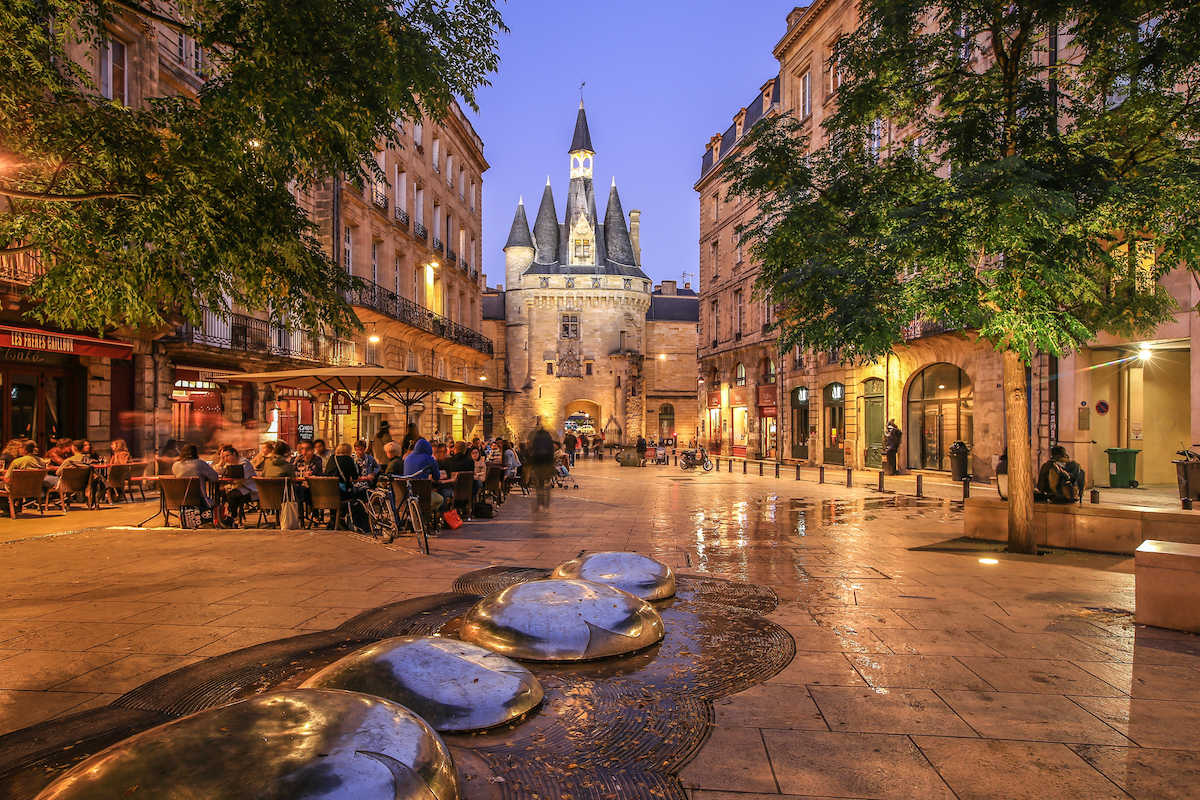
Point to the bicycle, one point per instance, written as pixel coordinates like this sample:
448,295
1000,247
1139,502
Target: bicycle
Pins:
389,522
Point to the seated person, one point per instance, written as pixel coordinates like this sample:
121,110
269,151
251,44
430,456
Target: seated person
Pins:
343,467
279,465
308,463
368,467
29,459
395,464
244,491
266,452
189,465
421,464
55,455
444,485
1060,480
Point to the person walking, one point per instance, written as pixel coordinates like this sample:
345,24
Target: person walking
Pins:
641,450
586,442
541,456
598,444
891,444
569,444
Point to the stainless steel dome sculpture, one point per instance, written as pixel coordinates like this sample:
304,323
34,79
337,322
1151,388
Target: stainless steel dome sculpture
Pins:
562,620
630,572
309,744
452,685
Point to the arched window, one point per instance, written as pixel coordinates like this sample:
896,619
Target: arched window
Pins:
410,363
739,374
768,371
666,422
941,411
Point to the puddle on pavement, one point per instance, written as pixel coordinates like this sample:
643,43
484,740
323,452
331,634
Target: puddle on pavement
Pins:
780,541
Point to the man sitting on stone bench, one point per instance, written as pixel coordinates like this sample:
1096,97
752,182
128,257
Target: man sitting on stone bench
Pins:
1060,480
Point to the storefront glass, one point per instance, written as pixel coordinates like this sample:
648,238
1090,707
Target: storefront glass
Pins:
800,424
941,406
834,398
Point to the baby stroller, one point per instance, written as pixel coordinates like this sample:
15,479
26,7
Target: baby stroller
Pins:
660,456
562,475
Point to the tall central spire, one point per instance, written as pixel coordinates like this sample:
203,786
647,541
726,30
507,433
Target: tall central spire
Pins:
581,142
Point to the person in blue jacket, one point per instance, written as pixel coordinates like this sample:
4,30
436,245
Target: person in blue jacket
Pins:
420,464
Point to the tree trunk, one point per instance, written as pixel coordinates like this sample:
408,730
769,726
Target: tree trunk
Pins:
1021,536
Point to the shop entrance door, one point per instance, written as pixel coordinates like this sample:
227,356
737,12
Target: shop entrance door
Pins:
800,424
35,405
835,424
873,420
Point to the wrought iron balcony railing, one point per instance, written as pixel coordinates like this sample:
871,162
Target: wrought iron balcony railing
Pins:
379,199
451,256
22,269
921,328
251,335
437,244
401,216
402,309
419,231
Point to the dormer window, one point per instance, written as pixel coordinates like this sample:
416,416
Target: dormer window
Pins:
583,249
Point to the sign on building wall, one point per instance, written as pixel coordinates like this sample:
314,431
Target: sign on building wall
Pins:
339,403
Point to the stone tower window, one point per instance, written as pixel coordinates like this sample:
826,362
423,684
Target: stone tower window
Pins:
570,326
549,367
583,249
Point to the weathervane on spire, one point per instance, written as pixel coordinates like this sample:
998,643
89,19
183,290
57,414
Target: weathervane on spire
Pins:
581,85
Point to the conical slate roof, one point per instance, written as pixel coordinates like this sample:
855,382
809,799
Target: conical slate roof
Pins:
582,140
545,229
617,244
519,235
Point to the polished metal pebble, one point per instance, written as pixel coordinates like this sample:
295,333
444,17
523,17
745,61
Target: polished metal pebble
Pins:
310,744
562,620
629,572
452,685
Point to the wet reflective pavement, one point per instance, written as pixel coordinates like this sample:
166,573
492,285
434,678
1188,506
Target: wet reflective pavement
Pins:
916,673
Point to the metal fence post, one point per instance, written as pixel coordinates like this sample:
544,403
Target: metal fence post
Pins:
745,464
821,474
849,478
760,469
797,472
776,469
731,465
920,486
881,480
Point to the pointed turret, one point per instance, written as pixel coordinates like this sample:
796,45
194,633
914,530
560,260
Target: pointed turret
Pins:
545,229
582,140
617,244
519,236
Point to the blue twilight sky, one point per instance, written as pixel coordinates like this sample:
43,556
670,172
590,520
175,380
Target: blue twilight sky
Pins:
662,77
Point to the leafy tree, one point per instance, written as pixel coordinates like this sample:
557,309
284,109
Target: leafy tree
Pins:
139,213
1024,196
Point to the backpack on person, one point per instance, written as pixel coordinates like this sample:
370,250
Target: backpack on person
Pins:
1062,483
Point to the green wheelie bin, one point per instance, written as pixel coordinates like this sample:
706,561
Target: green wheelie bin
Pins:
1122,467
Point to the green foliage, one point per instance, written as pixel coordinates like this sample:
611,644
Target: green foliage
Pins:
144,212
1013,203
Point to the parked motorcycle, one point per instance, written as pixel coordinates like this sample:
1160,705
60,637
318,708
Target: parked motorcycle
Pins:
690,459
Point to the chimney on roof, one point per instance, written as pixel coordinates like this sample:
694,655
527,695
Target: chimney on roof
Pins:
635,235
669,287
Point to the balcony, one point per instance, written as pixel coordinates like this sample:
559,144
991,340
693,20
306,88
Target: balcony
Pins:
401,216
474,274
451,256
921,328
437,244
390,304
245,334
419,231
21,269
379,199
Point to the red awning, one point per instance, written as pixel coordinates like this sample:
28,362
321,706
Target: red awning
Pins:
66,343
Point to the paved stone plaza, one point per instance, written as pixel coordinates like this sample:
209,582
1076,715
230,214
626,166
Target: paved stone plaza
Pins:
918,674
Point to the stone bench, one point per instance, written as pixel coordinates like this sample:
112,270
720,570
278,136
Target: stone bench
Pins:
1105,527
1167,579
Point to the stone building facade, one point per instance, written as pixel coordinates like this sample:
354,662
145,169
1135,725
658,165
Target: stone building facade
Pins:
939,385
413,237
575,314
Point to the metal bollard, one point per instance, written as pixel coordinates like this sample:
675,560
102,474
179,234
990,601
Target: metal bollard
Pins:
745,464
966,488
776,469
1095,497
920,486
881,480
731,465
821,474
677,461
849,478
760,469
797,472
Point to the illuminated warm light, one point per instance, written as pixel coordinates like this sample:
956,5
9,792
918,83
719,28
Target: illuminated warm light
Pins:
662,356
374,338
989,561
1145,353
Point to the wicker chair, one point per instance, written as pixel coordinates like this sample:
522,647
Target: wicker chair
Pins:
423,490
270,497
493,485
324,495
179,492
118,479
25,484
137,474
71,481
464,490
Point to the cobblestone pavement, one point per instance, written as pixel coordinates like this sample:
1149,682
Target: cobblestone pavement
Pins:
918,674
